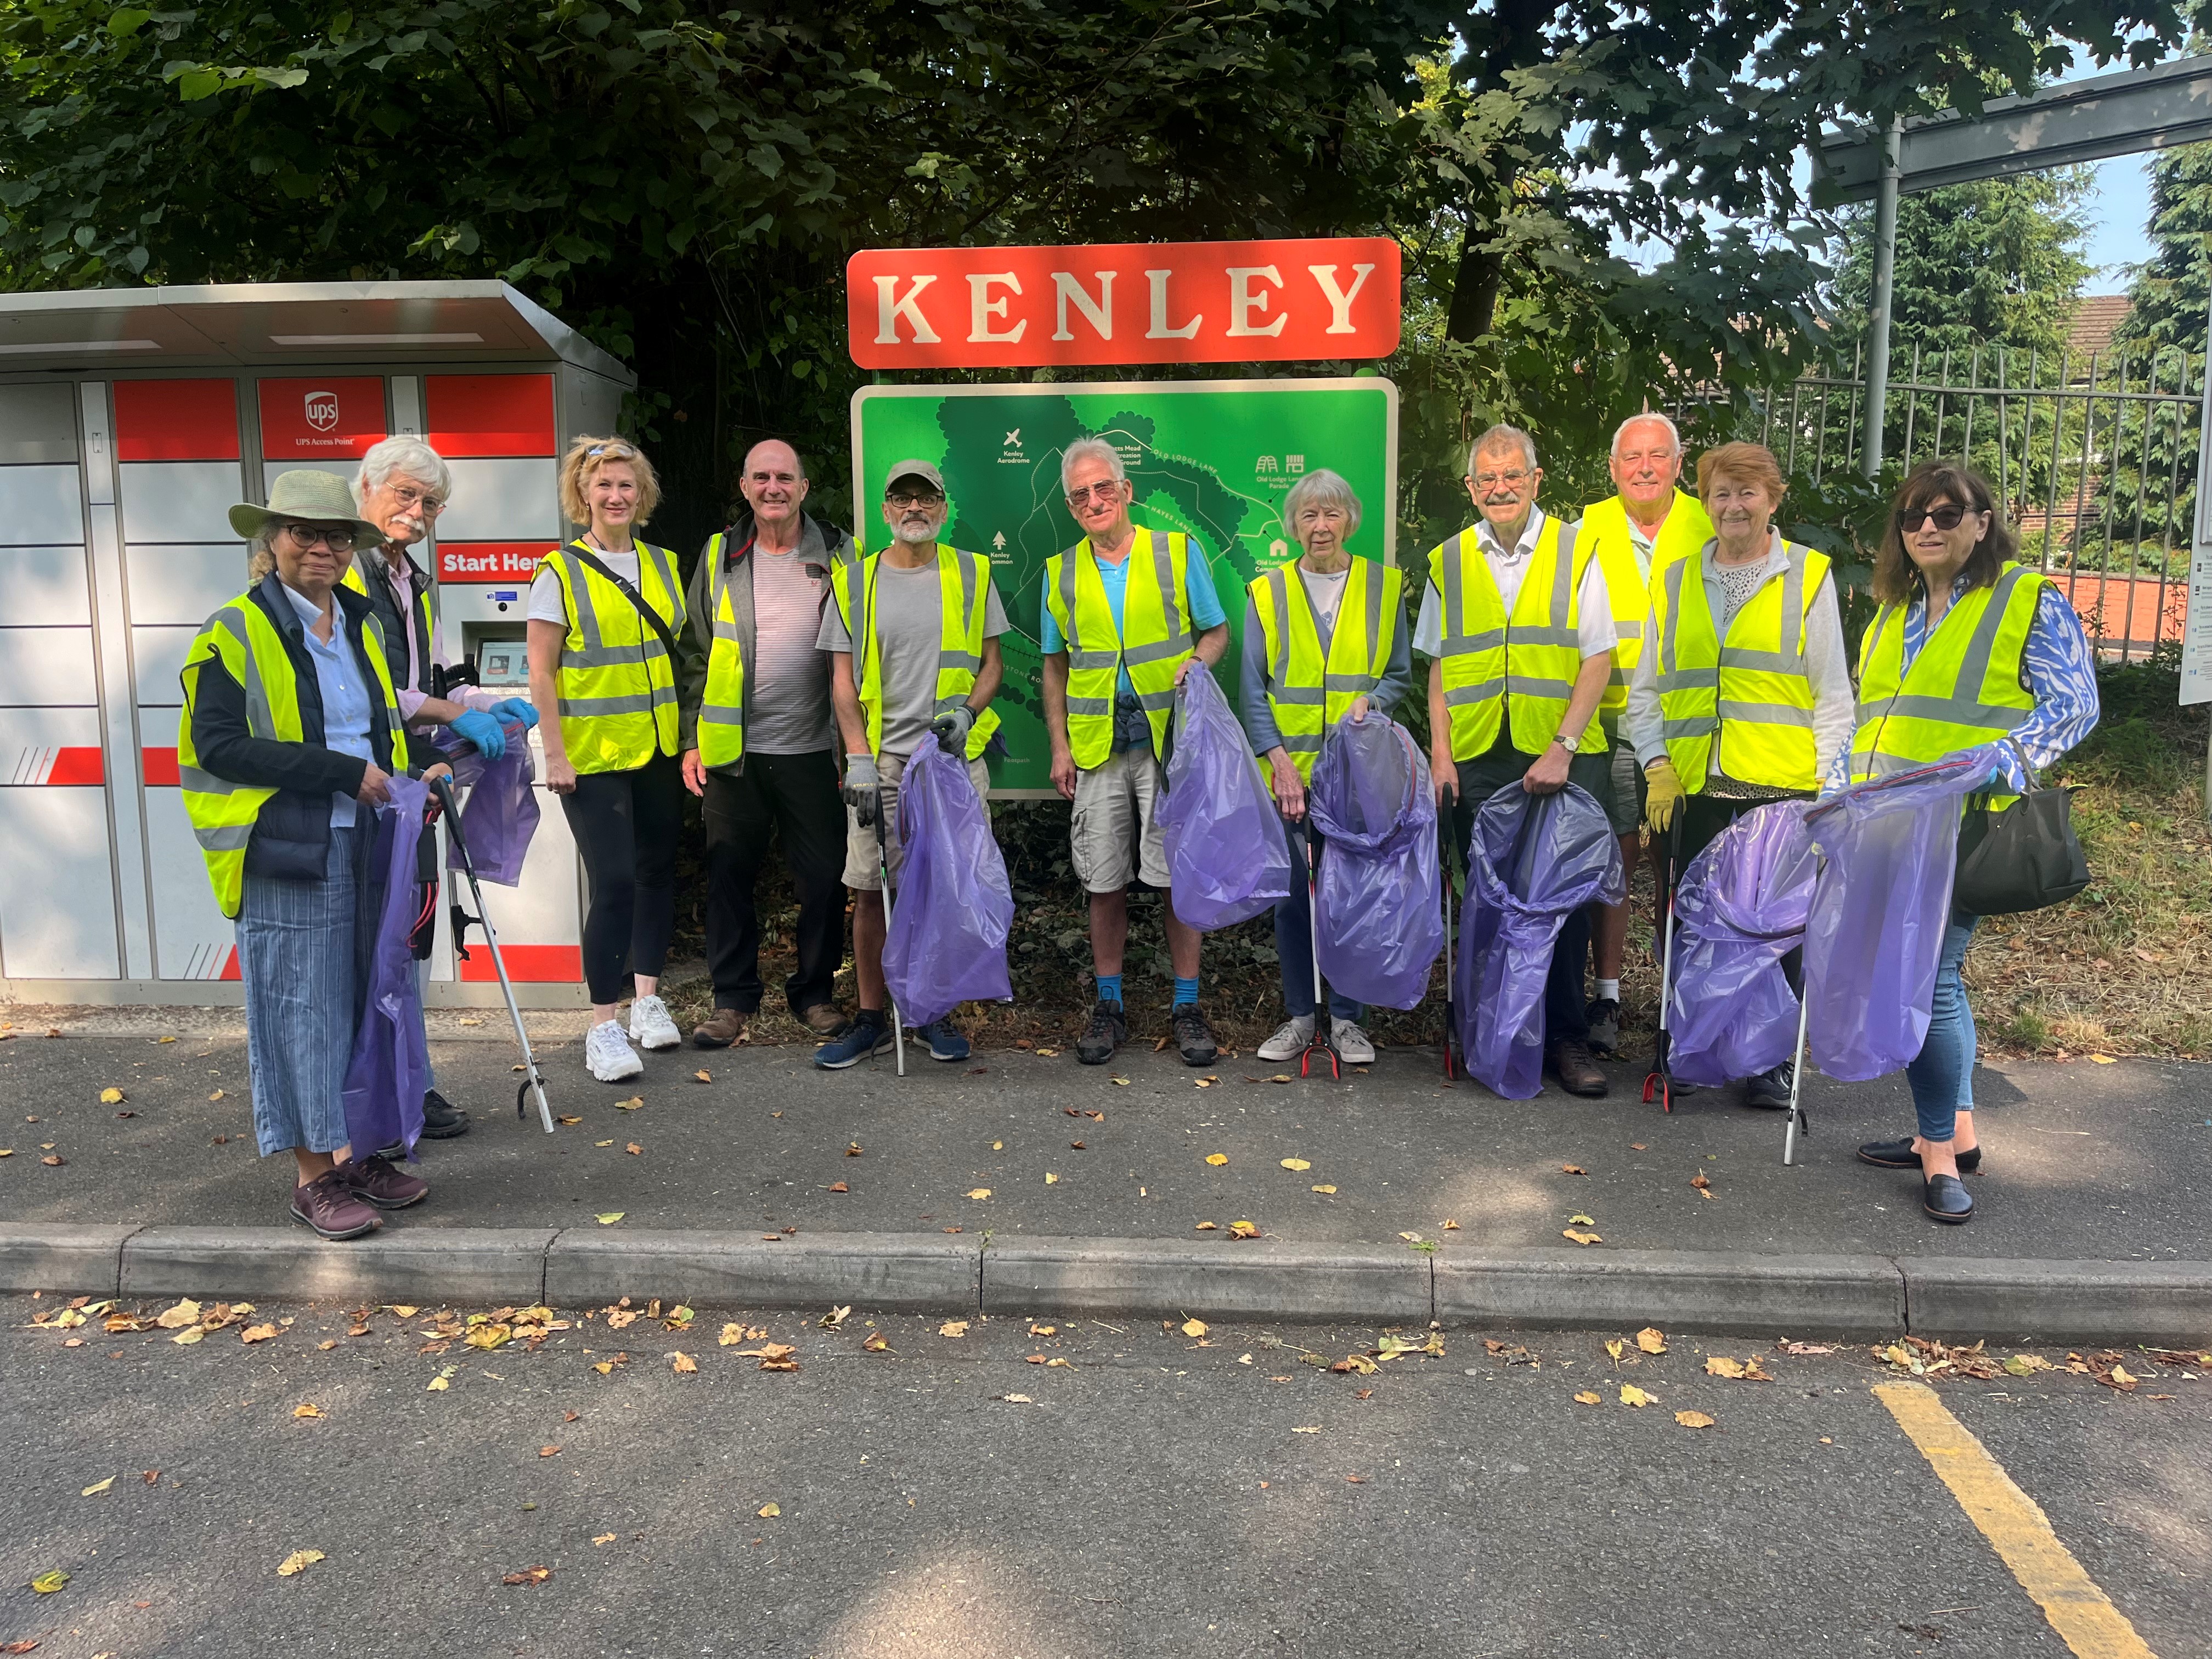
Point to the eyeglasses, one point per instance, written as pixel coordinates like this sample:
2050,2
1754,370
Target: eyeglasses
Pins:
1946,517
306,535
903,500
1491,480
1106,494
429,501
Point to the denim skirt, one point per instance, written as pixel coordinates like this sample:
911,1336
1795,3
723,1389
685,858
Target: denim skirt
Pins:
298,953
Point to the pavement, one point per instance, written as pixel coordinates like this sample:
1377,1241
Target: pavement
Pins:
1220,1495
2090,1167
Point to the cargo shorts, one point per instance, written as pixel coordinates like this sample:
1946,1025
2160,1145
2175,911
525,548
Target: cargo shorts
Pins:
1115,832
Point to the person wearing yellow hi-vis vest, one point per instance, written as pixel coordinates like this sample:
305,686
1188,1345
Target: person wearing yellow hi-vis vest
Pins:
1968,648
603,615
290,730
1325,641
1125,613
1646,524
1744,692
1517,625
913,634
760,742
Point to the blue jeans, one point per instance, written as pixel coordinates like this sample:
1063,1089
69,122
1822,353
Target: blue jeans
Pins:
1942,1073
1294,940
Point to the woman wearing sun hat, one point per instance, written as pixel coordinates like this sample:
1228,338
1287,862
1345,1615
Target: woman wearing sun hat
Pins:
291,737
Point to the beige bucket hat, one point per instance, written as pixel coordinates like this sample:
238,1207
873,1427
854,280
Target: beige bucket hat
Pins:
312,497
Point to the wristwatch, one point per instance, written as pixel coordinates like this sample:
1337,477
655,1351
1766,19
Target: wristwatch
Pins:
1571,744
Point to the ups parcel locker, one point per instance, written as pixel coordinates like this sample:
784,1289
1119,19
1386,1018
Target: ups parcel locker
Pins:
130,420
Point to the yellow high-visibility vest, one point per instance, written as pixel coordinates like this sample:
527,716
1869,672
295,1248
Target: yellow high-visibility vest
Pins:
1519,669
963,590
616,683
1604,536
1309,691
722,703
1754,685
252,650
1964,688
1154,637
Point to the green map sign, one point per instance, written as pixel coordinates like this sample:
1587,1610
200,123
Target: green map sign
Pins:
1211,459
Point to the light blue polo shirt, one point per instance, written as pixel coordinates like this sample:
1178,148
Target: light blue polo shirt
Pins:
1205,610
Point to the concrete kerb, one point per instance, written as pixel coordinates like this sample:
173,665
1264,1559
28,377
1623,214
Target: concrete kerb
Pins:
2111,1302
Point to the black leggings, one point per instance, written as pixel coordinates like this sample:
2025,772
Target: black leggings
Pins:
626,826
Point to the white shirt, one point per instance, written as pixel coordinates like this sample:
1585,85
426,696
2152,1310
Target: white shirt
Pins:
1594,629
549,604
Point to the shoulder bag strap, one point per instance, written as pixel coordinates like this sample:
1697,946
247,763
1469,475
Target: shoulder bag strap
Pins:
654,619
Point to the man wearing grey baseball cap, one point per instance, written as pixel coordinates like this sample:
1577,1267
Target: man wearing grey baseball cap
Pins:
914,644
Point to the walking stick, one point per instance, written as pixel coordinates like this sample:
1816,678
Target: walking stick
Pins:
883,874
1323,1037
1444,839
531,1084
1659,1077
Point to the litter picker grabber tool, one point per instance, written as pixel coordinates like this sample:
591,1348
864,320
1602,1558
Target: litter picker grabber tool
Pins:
1323,1038
1444,838
1660,1080
1798,1122
532,1083
883,876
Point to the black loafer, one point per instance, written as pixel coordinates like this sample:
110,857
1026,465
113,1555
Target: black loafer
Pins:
1945,1200
1900,1155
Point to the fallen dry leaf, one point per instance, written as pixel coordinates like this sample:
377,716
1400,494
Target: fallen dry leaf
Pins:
1632,1396
631,1105
1296,1164
604,1538
1018,1399
1050,1179
839,1187
703,1075
1638,1146
1579,1236
97,1486
979,1192
548,1451
768,1511
1572,1169
256,1333
683,1365
1587,1398
1194,1327
1309,1428
1217,1160
634,1150
47,1582
1651,1340
953,1328
608,1219
1243,1229
185,1312
1326,1187
568,1120
111,1096
297,1562
1451,1226
1207,1227
1693,1420
307,1411
877,1344
186,1338
532,1576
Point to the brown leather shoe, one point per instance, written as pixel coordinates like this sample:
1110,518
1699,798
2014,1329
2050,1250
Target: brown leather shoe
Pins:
376,1180
720,1029
329,1206
825,1020
1578,1072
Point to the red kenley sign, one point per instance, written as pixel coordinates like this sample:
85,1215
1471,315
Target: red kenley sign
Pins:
1140,303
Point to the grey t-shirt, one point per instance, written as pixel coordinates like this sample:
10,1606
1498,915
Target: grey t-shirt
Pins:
908,623
791,677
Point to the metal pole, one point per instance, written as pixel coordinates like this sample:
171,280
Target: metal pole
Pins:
1885,274
2201,525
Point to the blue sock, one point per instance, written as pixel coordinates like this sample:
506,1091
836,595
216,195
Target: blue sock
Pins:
1186,991
1109,988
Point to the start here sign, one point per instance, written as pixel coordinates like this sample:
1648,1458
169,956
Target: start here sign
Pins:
1138,302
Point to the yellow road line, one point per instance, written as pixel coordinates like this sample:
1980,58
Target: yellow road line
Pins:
2017,1529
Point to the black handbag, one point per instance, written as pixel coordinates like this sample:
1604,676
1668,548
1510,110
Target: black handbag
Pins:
2025,858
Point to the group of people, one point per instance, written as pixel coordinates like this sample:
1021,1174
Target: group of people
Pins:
1674,656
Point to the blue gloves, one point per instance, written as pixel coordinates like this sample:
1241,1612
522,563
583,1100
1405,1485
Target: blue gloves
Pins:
515,709
484,731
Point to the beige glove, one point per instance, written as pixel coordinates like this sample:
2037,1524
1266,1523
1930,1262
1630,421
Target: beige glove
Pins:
1663,798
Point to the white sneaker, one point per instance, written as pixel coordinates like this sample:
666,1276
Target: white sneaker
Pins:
650,1026
1352,1047
608,1053
1290,1039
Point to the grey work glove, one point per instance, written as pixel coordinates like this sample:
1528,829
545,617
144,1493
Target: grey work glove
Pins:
861,783
951,728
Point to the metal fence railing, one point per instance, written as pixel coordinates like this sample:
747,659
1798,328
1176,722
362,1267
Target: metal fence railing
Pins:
2093,454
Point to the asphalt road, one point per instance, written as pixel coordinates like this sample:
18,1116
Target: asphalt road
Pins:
1160,1494
2085,1160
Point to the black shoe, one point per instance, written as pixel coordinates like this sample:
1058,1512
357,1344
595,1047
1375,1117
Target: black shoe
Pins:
1900,1155
1945,1200
1603,1018
1771,1088
1108,1031
1578,1072
441,1120
1193,1037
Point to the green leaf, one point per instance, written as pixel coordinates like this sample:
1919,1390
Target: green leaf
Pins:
126,22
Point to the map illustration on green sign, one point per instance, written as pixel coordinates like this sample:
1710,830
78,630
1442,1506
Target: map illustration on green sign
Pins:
1211,459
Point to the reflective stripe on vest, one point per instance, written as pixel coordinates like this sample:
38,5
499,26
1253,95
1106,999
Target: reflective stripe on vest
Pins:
1307,691
721,733
253,653
1964,688
1520,670
963,591
616,684
1154,637
1604,536
1754,683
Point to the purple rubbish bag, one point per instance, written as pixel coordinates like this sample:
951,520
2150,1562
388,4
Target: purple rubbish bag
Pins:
1227,861
1532,860
1740,909
952,904
1880,910
390,1064
1375,911
500,814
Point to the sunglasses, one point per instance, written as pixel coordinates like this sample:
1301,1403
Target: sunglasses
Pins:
611,452
1107,493
1946,517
